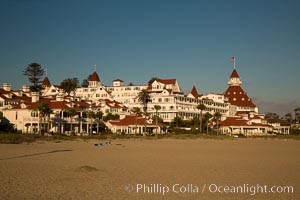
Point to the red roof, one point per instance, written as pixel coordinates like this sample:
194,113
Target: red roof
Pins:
114,104
2,91
52,103
94,77
238,97
166,81
234,74
237,121
46,82
118,80
194,92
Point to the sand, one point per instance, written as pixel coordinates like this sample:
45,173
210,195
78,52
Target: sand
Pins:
146,169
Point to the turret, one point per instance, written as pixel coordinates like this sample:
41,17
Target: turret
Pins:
94,80
234,79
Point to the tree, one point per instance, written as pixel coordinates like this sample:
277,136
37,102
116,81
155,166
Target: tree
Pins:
207,116
110,116
144,98
152,80
34,71
130,84
44,110
85,82
289,117
157,108
72,113
200,107
195,122
217,117
69,85
136,111
91,115
274,117
98,115
178,121
297,114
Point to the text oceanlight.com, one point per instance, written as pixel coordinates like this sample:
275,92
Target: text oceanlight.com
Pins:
211,188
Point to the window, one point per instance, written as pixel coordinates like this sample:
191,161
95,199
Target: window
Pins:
34,114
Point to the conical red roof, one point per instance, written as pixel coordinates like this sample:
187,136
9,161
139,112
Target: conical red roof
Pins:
234,74
94,77
46,82
194,92
238,97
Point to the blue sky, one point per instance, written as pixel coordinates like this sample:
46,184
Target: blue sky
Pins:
136,40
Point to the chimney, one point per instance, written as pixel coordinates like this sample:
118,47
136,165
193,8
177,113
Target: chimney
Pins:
35,96
6,86
26,88
59,97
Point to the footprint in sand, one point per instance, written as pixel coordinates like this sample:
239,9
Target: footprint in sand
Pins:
87,168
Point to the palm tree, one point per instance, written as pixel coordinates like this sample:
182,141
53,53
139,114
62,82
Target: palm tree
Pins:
207,116
99,116
157,108
69,85
217,116
91,116
144,98
48,112
136,111
146,114
72,113
44,110
201,107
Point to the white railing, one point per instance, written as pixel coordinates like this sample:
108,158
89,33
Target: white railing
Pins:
30,119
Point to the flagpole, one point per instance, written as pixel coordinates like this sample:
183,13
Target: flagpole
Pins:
234,63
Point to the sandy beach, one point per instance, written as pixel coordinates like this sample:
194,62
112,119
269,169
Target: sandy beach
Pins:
150,169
